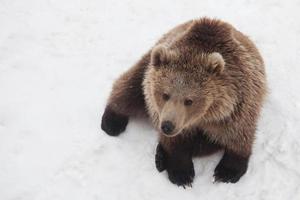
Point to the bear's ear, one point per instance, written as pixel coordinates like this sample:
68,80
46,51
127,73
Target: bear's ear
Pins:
160,55
215,63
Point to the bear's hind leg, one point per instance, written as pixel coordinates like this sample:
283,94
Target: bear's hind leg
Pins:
126,99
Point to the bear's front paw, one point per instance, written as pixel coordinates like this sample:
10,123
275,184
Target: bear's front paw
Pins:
182,177
113,123
230,172
160,158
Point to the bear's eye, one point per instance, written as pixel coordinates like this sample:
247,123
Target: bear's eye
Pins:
165,97
188,102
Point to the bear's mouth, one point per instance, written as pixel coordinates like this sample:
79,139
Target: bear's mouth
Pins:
170,135
173,134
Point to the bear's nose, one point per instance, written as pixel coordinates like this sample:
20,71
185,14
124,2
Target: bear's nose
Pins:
167,127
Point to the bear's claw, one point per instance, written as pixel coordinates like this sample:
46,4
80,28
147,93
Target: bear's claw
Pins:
182,177
230,171
225,175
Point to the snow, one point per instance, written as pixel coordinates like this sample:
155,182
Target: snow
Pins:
58,60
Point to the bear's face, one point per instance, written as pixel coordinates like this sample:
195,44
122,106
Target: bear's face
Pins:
180,101
182,93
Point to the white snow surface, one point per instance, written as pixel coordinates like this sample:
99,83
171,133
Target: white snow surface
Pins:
58,60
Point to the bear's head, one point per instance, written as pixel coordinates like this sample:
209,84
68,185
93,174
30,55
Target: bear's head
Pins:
183,89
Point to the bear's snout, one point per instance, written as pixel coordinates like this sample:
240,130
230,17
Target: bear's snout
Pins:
167,127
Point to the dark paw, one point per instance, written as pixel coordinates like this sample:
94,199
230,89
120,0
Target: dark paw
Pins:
182,177
113,123
229,174
160,158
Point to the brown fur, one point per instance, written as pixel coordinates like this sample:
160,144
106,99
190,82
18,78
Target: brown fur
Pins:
212,64
237,94
127,96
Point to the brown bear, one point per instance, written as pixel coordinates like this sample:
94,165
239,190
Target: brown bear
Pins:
202,85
